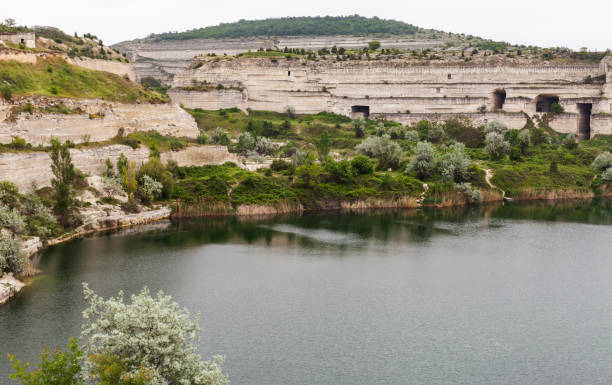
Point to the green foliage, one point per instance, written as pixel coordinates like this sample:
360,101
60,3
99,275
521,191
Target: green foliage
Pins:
556,108
324,145
422,163
155,170
109,369
359,126
374,45
362,165
297,26
151,335
602,162
387,152
63,178
454,164
496,146
12,258
67,80
473,195
57,368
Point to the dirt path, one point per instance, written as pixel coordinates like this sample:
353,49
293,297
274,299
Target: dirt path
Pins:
488,176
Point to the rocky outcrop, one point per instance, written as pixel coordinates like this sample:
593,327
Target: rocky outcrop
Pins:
114,67
9,287
163,59
90,120
30,170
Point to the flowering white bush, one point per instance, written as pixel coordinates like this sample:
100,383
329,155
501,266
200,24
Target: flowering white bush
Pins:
150,188
473,195
496,127
422,162
607,175
387,152
264,146
149,333
602,162
454,165
412,136
496,146
12,219
12,258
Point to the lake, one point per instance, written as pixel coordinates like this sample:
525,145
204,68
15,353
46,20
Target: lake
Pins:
502,294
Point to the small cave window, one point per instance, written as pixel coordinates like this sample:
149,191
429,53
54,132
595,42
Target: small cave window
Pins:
22,40
545,102
288,73
450,76
498,99
360,111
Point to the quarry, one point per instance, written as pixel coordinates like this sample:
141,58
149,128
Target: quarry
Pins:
397,90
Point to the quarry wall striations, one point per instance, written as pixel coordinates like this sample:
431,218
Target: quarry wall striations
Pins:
399,89
32,170
166,58
97,121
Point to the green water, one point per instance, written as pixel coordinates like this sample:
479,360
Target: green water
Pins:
514,294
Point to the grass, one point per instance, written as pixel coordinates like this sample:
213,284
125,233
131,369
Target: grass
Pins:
56,78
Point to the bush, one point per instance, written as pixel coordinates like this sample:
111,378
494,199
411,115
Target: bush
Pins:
202,139
471,194
412,136
12,258
340,172
398,132
524,140
12,219
18,143
264,146
301,158
246,143
454,164
149,189
436,133
374,45
279,165
422,163
602,162
387,152
496,146
380,129
495,126
220,137
556,108
359,126
6,92
156,170
362,165
607,175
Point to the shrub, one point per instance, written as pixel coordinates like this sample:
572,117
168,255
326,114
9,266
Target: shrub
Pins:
246,143
524,140
454,164
380,129
290,112
324,145
340,172
412,136
387,152
556,108
496,127
9,193
202,138
264,146
6,92
607,175
279,165
220,137
12,258
156,170
602,162
359,126
422,163
374,45
301,158
149,189
436,133
18,143
397,132
362,165
516,155
149,333
496,146
570,142
471,194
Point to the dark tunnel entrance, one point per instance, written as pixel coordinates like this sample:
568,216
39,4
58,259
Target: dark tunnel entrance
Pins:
584,120
498,99
545,102
360,111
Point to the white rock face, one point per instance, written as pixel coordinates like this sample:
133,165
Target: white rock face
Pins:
99,121
9,286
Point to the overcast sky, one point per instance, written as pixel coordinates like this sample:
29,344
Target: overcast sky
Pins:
574,24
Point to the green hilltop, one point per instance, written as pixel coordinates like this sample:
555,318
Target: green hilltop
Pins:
297,26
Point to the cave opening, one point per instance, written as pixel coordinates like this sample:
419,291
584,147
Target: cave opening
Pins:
545,102
360,111
498,99
584,120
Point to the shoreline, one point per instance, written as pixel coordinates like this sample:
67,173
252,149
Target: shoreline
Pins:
34,246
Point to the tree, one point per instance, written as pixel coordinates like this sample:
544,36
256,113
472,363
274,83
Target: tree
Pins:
10,22
374,45
12,258
359,125
64,173
454,165
496,146
362,165
57,368
422,163
496,127
524,140
324,146
602,162
129,180
151,334
387,152
122,166
109,369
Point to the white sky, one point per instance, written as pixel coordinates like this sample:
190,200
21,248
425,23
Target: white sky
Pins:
574,24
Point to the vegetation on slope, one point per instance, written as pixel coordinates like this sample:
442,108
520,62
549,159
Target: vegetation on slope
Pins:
297,26
55,77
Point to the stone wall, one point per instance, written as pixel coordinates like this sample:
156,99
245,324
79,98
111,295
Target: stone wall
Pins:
28,38
394,87
99,121
33,169
167,58
114,67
